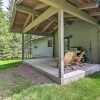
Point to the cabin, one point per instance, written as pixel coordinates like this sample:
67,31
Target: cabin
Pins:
42,47
72,24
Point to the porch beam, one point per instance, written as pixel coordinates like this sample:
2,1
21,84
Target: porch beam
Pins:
72,10
39,33
42,5
48,13
19,1
61,42
16,30
32,32
13,17
88,6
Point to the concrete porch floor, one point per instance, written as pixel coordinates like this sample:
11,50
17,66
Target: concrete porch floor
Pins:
48,66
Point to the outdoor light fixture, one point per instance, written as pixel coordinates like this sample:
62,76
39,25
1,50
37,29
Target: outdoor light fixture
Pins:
70,36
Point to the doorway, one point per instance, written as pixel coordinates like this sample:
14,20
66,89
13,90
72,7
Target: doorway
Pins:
66,44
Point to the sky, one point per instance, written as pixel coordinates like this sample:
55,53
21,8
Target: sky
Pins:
5,4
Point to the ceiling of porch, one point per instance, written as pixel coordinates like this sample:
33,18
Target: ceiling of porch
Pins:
27,11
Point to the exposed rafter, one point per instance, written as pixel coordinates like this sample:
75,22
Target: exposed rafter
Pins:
24,9
91,14
68,16
42,5
47,14
27,20
18,1
36,27
47,26
80,1
72,10
95,14
89,6
54,29
31,11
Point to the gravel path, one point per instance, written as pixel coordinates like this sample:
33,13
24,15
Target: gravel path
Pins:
8,78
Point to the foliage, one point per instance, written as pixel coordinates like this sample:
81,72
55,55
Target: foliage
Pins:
10,43
85,89
9,63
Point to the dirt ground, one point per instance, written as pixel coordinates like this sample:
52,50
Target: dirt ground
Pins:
14,79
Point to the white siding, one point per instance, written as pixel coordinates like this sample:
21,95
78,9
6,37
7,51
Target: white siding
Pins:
43,50
82,33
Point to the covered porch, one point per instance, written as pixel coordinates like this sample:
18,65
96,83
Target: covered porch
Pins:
48,66
48,18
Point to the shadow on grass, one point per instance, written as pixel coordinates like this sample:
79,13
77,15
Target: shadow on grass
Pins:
10,65
95,75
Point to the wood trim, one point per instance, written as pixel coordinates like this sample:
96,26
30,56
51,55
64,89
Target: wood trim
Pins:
72,10
13,17
42,5
40,19
88,6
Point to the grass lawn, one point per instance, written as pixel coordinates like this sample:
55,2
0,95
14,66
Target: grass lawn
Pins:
9,63
84,89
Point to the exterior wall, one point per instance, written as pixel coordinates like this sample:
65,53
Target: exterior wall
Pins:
82,33
43,50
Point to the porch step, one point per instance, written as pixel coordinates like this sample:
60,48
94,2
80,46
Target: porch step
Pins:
78,74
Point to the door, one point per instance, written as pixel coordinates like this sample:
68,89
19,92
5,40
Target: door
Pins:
66,44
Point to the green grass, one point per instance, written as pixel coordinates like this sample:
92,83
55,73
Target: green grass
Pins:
8,64
84,89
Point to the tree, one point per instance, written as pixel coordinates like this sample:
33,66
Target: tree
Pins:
9,9
10,43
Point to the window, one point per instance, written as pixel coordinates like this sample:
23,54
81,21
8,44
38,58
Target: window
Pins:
49,43
35,45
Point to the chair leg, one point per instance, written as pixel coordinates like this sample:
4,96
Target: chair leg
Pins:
71,67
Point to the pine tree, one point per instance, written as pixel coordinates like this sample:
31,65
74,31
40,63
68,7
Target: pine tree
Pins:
10,44
10,9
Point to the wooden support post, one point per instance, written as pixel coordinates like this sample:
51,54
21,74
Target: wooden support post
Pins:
22,46
99,45
61,42
30,45
54,45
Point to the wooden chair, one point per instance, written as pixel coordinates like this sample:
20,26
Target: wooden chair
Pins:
77,60
68,58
